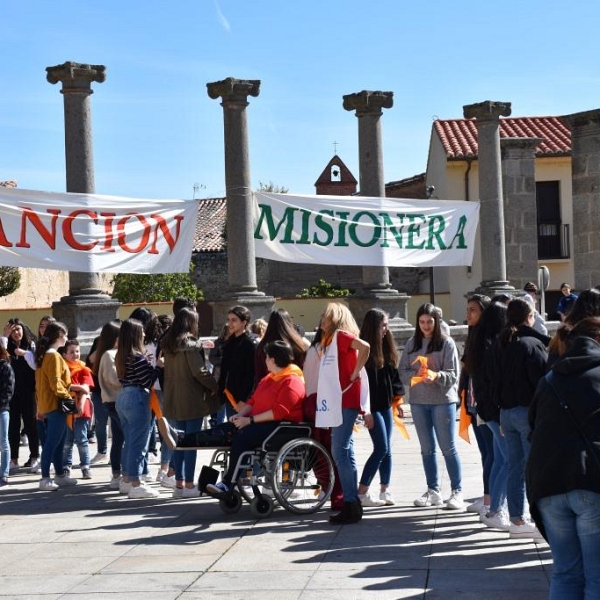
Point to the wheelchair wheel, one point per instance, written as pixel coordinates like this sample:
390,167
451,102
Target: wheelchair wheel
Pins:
262,506
231,504
303,476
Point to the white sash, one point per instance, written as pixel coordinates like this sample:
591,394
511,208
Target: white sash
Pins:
329,390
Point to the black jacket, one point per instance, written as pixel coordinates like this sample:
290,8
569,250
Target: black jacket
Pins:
7,384
559,460
237,367
384,384
518,366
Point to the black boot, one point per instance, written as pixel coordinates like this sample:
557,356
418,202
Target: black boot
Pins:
350,513
359,507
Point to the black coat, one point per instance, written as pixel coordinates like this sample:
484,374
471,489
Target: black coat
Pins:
559,460
384,384
7,384
237,367
517,367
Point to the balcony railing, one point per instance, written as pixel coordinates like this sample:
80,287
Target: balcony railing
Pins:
553,240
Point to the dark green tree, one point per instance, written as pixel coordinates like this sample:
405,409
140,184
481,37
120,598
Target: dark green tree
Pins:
131,287
10,280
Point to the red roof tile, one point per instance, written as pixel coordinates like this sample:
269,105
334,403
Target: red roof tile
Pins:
459,136
211,225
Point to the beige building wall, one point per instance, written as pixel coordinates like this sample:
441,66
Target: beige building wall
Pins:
448,177
41,287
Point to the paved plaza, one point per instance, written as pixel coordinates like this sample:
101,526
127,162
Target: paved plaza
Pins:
88,541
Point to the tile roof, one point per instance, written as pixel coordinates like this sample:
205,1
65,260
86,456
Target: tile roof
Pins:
459,136
210,225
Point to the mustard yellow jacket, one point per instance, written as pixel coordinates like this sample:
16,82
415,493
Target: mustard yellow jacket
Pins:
52,381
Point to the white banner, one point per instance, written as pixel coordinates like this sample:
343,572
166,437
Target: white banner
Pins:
359,230
90,233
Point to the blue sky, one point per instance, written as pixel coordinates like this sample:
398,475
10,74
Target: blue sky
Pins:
157,133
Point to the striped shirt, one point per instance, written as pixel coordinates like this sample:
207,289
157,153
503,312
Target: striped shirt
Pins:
139,372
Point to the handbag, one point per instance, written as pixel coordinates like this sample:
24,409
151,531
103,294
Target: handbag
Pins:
67,406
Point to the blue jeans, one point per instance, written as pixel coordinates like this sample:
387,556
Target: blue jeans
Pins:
438,421
342,450
381,457
185,460
116,447
52,451
4,445
499,468
133,407
572,524
515,425
101,421
485,443
77,435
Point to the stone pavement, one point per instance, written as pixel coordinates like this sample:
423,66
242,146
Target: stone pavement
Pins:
88,541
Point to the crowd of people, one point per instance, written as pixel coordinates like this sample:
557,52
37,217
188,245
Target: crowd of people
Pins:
533,402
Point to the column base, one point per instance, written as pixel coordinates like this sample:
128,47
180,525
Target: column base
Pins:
258,303
389,300
85,315
493,288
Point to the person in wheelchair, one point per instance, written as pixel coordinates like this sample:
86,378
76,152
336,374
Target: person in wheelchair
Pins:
278,397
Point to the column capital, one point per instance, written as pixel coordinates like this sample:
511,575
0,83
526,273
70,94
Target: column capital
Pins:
76,77
369,103
519,146
487,110
581,119
233,90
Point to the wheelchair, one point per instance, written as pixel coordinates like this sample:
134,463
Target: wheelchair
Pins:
289,469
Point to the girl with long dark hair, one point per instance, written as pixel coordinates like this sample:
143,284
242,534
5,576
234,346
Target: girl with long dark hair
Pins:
53,383
189,392
136,375
384,386
432,357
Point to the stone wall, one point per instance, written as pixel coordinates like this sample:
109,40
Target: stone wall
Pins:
286,280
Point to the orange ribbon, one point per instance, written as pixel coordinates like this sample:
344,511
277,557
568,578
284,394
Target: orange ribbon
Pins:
465,418
231,399
155,404
423,368
396,402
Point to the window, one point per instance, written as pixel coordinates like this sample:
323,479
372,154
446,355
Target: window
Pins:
336,173
553,236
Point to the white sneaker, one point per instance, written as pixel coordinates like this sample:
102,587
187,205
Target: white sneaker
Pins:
476,507
160,475
368,500
114,483
124,487
429,498
498,521
99,458
168,481
177,492
455,502
387,498
36,466
47,485
146,477
64,481
142,491
190,492
525,531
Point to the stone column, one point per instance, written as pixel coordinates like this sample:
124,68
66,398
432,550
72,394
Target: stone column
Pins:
520,209
241,260
86,308
377,291
585,144
491,214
